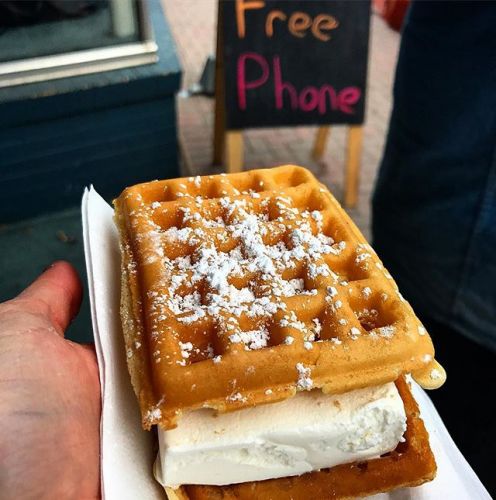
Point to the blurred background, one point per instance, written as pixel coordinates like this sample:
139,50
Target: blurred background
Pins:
110,93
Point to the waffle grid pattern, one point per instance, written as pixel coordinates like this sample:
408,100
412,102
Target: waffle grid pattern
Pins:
252,286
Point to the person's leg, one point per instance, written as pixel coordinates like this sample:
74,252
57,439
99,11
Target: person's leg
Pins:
434,207
434,204
465,401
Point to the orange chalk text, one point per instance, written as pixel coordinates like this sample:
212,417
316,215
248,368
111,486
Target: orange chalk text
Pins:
298,23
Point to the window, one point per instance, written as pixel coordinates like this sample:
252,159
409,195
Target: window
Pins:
48,39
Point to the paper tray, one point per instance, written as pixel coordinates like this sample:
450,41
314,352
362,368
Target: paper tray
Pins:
128,452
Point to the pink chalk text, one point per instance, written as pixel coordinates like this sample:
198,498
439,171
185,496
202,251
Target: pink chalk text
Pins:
308,99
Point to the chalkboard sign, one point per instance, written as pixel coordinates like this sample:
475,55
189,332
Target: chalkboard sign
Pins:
294,62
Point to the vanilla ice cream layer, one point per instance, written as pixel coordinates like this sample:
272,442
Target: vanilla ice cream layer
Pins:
308,432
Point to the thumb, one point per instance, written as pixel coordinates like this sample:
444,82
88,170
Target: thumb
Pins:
57,293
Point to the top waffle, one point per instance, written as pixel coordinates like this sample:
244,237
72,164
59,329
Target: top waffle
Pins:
241,289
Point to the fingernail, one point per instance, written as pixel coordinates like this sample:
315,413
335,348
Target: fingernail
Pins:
45,269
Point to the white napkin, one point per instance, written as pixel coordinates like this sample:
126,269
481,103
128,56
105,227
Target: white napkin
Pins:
127,452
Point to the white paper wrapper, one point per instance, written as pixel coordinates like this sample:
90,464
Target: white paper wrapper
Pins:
128,452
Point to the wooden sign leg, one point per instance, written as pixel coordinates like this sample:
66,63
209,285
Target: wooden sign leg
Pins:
234,151
320,142
219,133
353,155
220,112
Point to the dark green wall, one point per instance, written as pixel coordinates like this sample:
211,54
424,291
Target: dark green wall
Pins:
109,129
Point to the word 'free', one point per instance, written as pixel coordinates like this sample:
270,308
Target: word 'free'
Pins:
298,23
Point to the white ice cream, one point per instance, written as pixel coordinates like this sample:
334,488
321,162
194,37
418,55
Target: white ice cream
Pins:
308,432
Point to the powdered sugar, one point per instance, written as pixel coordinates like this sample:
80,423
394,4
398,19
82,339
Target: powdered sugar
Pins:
355,332
186,348
386,331
229,264
304,383
253,339
217,268
153,415
237,396
314,270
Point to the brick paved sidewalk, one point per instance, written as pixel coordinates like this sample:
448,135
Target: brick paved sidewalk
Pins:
193,23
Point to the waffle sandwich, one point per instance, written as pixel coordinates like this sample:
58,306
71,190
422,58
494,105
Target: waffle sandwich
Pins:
241,290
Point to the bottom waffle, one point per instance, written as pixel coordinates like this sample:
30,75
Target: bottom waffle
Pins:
411,464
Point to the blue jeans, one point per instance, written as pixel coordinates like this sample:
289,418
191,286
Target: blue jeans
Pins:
434,206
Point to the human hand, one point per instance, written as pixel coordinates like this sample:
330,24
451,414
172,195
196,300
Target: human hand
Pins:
49,395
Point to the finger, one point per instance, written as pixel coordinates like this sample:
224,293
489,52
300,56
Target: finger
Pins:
89,347
59,290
